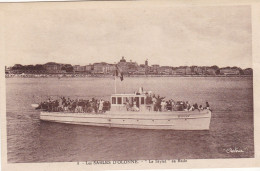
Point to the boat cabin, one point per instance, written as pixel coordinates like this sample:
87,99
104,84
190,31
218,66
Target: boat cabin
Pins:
129,102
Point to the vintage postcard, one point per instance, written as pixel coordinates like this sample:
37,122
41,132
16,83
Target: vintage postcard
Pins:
129,85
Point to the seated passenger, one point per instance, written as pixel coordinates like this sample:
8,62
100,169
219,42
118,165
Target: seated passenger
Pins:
200,107
207,105
181,106
191,108
185,106
196,106
135,108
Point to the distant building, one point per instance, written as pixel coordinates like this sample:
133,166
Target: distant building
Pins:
179,71
229,71
165,70
146,62
111,68
123,65
79,69
76,67
149,70
122,60
132,67
193,70
127,67
188,71
89,68
52,67
210,71
154,69
203,70
140,70
198,70
7,70
100,68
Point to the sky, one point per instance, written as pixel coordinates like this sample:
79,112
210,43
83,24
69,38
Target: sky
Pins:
165,35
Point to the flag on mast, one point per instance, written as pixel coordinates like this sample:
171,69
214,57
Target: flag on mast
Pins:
119,73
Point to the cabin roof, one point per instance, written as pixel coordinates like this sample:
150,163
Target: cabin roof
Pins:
128,95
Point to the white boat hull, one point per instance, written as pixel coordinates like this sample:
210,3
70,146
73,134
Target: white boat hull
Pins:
176,120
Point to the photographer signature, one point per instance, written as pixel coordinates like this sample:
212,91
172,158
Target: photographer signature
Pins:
234,150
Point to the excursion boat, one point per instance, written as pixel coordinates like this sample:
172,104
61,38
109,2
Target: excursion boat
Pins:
145,117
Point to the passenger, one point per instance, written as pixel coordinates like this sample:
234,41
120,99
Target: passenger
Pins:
173,104
56,106
196,106
140,91
180,106
108,105
158,103
95,106
127,104
73,106
149,99
207,105
185,106
154,102
86,105
80,105
61,106
66,104
163,105
170,108
135,108
70,105
168,105
188,105
100,107
191,108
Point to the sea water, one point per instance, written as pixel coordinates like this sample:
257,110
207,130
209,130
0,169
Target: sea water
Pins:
31,140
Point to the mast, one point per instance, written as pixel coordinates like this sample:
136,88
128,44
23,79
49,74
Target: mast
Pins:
115,83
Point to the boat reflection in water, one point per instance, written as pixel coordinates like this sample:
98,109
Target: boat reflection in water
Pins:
134,111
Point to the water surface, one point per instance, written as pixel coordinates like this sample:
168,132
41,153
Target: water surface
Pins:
32,140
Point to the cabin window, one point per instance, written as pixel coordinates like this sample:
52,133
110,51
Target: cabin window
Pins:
113,100
142,100
126,100
119,100
137,101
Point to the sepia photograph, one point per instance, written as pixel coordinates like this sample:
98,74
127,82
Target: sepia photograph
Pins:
104,83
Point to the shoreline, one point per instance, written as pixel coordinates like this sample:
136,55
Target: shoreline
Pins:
107,76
